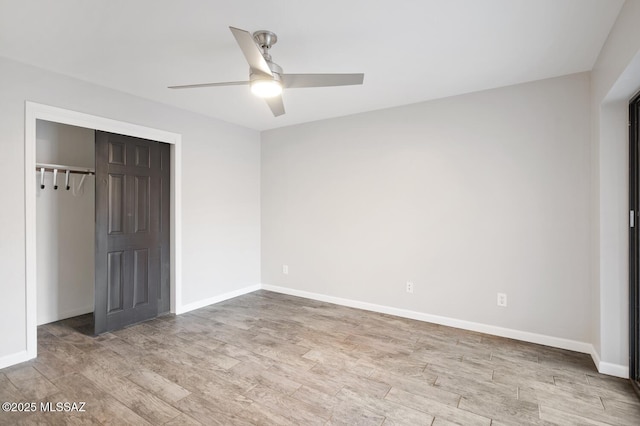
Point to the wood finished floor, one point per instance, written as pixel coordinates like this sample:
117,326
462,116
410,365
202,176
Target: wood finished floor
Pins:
267,358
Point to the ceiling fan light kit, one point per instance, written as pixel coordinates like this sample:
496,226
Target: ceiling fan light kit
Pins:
266,88
266,78
265,85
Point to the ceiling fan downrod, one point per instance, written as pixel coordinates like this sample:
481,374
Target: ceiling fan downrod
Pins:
265,39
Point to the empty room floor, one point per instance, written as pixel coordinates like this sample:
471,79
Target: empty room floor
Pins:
268,358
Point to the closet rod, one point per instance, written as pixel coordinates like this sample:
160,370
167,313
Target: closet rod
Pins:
59,167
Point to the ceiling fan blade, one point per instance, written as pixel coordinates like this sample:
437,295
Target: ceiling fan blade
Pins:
251,51
292,81
194,86
276,105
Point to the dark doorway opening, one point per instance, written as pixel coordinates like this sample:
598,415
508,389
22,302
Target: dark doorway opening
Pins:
634,243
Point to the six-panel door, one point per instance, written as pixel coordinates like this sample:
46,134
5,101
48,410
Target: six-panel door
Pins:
132,206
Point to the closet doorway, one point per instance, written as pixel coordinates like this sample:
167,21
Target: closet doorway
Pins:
35,112
109,192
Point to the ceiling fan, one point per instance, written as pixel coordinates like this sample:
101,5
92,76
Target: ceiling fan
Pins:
267,79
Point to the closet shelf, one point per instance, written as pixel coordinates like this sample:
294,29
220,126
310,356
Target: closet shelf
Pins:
60,167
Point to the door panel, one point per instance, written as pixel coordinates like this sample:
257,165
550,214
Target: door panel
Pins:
142,203
117,153
140,277
115,281
142,156
131,205
116,204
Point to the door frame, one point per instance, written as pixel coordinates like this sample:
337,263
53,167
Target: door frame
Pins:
35,111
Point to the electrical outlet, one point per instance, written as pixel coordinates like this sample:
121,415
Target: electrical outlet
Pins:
409,287
502,300
285,269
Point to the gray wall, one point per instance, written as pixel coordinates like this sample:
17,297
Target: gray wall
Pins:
465,196
615,80
65,224
220,193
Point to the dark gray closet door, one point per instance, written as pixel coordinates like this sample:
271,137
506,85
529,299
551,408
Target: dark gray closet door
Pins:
132,235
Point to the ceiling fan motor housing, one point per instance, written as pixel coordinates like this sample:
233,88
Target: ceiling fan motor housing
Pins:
266,39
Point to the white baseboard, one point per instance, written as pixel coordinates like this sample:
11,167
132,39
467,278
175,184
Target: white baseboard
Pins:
216,299
556,342
18,357
608,368
64,315
613,369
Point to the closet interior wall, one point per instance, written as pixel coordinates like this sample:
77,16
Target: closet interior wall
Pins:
65,224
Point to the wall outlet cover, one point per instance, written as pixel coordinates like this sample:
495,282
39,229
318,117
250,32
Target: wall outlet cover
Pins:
409,287
502,300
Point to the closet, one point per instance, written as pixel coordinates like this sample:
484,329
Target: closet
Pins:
102,226
65,224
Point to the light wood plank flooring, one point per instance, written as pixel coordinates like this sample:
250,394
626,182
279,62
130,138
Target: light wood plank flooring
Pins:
267,358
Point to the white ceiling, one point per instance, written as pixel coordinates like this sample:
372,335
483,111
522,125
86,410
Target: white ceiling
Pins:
409,50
